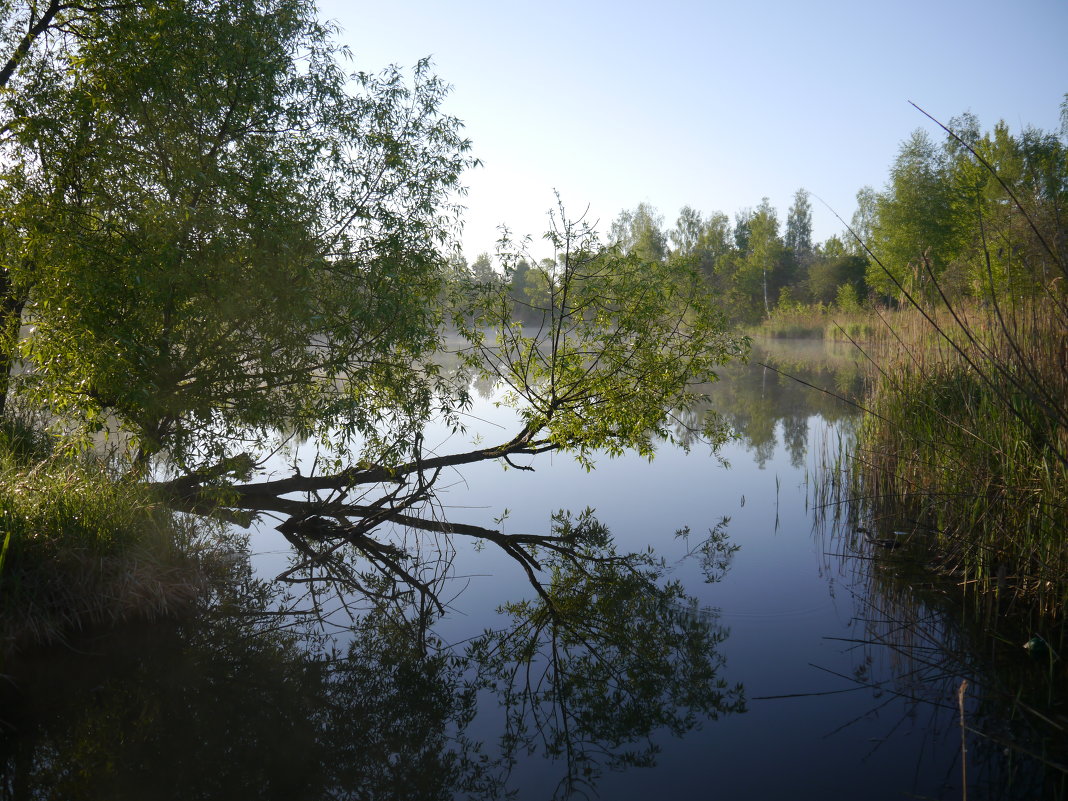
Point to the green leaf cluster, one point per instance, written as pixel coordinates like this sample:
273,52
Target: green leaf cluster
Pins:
948,221
215,231
616,344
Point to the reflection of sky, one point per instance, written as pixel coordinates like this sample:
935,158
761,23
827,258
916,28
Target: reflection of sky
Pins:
777,600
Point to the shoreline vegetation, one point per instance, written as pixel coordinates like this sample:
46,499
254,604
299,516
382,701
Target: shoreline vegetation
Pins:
963,449
966,435
83,548
963,445
818,321
957,489
954,276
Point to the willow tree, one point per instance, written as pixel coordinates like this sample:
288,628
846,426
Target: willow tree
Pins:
611,358
218,235
217,230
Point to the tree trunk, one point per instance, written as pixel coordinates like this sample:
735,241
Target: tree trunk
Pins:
10,323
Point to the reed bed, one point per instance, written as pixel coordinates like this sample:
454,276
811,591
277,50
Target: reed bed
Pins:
819,321
966,447
918,639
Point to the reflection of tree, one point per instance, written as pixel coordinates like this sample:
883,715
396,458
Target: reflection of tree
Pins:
590,677
927,637
619,344
778,387
244,706
212,713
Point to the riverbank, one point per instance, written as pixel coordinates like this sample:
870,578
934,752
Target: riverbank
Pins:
964,446
828,322
82,548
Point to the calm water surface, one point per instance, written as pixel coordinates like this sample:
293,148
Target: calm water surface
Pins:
835,684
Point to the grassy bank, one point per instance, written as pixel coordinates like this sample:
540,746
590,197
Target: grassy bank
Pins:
82,548
967,449
819,321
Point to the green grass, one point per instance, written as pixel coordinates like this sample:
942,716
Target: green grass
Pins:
82,547
819,321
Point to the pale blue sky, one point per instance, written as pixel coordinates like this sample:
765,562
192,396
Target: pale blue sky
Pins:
711,104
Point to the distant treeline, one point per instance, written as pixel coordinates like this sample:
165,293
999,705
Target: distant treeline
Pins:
944,222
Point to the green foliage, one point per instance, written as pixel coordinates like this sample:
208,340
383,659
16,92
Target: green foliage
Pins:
81,547
969,436
915,226
828,273
948,222
765,264
215,235
747,266
482,269
786,303
640,232
846,299
862,224
688,232
619,341
798,237
528,291
215,240
57,502
707,245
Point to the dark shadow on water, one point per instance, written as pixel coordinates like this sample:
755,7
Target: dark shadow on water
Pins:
960,668
234,703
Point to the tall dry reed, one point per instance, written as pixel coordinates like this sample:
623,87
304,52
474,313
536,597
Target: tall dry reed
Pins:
968,443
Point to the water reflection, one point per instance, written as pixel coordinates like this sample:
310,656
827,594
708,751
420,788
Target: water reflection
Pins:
266,705
851,655
787,382
213,710
590,674
960,669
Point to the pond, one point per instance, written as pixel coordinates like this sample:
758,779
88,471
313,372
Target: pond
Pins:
803,664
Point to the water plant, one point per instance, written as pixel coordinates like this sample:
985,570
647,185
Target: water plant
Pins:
967,439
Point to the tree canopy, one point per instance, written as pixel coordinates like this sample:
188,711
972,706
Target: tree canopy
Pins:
964,215
968,213
215,230
216,240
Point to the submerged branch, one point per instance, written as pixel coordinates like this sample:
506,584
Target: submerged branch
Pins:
190,490
320,529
